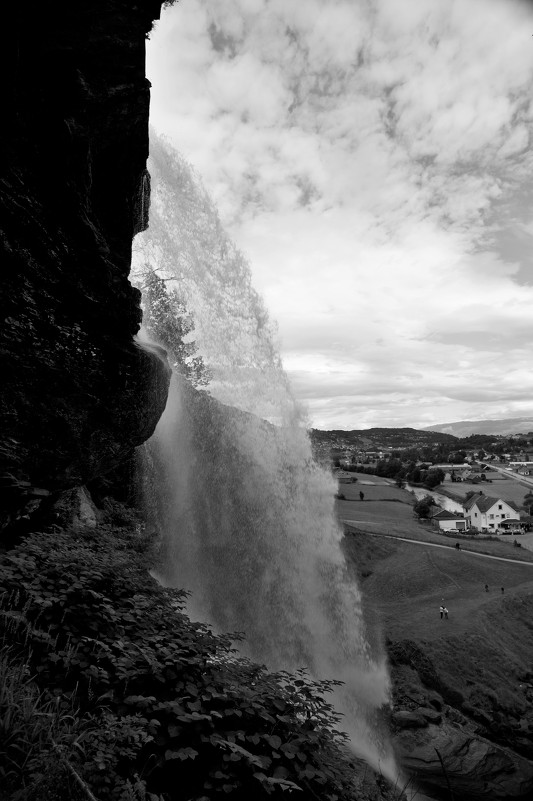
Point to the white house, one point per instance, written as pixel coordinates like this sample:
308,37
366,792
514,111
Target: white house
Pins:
483,512
449,521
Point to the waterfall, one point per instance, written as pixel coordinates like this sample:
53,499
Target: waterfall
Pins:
247,516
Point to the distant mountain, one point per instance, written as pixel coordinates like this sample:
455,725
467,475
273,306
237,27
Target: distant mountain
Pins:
381,437
465,428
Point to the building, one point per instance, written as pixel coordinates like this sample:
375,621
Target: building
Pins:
524,467
514,526
345,478
449,521
483,512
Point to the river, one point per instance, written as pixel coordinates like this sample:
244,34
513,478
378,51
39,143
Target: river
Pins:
440,500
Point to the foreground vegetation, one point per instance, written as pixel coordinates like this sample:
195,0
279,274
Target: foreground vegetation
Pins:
111,692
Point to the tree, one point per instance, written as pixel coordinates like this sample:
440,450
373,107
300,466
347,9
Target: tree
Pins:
434,477
414,475
422,507
528,502
167,320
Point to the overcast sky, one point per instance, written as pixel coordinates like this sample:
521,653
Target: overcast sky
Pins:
373,158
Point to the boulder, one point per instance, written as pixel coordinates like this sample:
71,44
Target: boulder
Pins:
430,715
475,768
75,509
406,719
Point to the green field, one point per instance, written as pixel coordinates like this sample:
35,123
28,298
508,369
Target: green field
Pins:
389,510
487,641
507,488
479,659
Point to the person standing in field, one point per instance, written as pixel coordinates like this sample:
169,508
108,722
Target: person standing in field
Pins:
361,496
445,613
441,612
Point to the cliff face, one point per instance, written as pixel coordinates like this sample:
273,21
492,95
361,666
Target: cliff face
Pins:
77,393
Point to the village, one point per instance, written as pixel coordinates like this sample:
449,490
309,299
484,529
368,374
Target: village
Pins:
485,490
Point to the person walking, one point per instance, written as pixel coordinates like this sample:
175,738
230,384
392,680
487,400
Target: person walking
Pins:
503,590
445,613
486,587
361,496
441,612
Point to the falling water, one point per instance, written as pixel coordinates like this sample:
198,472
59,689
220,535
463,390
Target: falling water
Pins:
248,517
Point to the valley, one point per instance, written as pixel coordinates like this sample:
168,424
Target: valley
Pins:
471,671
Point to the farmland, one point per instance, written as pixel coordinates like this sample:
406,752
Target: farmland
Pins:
503,486
389,510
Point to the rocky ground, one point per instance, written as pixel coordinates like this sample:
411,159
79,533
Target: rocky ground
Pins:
462,719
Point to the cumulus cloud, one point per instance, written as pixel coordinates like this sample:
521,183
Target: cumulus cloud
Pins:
373,162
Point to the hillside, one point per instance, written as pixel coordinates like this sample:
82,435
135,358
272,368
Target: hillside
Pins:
504,427
381,438
462,685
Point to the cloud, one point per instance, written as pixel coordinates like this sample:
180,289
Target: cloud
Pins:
374,165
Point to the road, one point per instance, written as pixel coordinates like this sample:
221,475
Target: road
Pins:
528,482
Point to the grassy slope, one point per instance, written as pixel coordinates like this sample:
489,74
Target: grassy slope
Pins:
388,510
485,650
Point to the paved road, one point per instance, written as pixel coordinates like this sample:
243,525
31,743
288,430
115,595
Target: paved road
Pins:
510,474
434,544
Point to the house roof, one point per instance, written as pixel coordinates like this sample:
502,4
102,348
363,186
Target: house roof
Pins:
486,502
472,500
445,515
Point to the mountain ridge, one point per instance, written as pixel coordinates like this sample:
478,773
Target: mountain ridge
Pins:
499,427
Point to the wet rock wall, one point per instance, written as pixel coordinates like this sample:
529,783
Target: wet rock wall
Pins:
77,393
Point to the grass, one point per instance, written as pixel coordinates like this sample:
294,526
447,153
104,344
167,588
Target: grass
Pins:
386,509
36,738
507,488
484,651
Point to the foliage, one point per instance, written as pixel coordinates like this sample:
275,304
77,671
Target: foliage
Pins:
167,320
422,507
166,708
36,737
528,501
402,472
433,477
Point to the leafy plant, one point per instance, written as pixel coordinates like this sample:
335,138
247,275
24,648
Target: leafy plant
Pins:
167,709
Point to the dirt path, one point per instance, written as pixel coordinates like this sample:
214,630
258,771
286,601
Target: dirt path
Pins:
404,585
433,544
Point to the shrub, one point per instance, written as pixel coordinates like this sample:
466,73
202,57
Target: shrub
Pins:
167,709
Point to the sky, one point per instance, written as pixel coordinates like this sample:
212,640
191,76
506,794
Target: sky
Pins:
373,159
